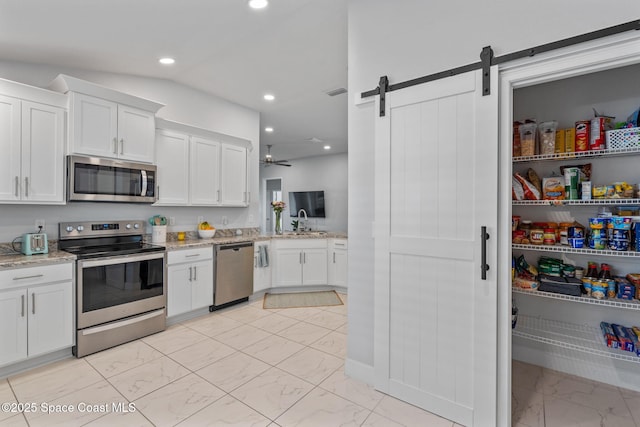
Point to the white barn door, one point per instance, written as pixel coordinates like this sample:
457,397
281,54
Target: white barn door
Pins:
436,186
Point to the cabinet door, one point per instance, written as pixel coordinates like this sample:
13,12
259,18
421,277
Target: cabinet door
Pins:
205,173
338,268
136,134
94,126
288,270
10,149
233,177
13,326
314,267
42,153
50,314
172,161
202,285
261,275
179,279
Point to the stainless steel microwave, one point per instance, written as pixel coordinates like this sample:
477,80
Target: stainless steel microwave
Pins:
95,179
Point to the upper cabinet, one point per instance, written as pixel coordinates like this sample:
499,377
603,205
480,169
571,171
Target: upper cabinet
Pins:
200,168
32,136
107,123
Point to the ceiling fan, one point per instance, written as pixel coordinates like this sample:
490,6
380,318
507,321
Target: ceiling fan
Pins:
268,160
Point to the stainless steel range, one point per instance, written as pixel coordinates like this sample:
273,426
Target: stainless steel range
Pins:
120,283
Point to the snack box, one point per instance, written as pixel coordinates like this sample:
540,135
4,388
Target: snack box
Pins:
634,339
609,335
624,338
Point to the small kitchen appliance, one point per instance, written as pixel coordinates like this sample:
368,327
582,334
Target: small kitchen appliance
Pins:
35,243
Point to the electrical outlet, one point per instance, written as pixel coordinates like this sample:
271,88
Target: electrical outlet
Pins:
40,223
200,219
172,220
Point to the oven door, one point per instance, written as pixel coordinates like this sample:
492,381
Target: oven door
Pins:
105,180
116,287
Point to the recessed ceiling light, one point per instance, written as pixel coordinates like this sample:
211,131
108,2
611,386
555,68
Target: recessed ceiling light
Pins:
327,147
166,61
258,4
269,97
268,129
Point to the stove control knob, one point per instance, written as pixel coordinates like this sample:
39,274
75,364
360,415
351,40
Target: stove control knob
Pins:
136,226
69,229
80,228
128,226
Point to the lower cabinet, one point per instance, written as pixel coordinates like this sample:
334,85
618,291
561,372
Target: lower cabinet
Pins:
338,262
262,259
190,280
36,311
300,262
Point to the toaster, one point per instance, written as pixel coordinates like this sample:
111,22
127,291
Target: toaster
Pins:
35,243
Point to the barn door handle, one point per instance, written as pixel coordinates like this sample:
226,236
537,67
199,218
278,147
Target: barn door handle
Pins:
484,267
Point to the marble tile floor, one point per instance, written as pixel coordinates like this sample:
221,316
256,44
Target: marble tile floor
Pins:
249,367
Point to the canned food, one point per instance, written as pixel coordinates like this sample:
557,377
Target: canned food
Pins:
582,135
597,223
576,242
618,245
575,232
586,284
549,236
599,289
611,289
597,243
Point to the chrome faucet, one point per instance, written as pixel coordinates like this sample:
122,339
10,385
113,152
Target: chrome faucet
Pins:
302,225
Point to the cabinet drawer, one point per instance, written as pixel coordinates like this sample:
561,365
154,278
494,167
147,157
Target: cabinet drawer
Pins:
189,255
338,244
35,275
301,244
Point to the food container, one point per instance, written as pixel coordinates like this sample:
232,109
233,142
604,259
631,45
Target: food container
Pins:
618,245
597,223
582,135
525,225
549,236
158,234
575,231
571,177
599,289
586,284
598,243
576,242
536,236
517,147
568,271
598,233
528,138
585,193
548,137
579,274
597,136
620,223
515,222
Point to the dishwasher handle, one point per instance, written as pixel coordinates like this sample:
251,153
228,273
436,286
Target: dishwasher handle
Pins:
234,247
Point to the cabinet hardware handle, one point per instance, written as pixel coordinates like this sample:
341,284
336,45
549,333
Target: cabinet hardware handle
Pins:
191,255
217,195
28,277
190,274
17,186
158,191
33,303
304,257
115,145
484,267
300,258
334,257
121,145
195,273
255,262
22,297
26,186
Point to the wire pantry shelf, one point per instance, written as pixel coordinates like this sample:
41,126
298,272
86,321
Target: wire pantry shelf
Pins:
579,154
582,338
567,249
592,202
611,302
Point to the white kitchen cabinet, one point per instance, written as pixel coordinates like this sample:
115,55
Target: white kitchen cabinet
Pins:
300,262
197,168
205,173
189,280
338,262
233,175
32,143
36,311
261,272
172,161
104,128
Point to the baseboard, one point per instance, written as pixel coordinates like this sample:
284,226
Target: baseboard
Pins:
359,371
28,364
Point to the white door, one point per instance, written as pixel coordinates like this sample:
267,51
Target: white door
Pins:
288,267
13,326
314,267
94,126
172,161
42,153
436,185
136,134
205,172
179,278
233,177
50,314
202,285
10,148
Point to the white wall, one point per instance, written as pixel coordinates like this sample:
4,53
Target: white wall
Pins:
412,38
182,104
328,173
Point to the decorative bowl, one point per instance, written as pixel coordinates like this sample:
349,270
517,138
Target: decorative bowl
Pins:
206,234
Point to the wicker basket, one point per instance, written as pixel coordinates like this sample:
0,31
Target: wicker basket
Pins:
623,138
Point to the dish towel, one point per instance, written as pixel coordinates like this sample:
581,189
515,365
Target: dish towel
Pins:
263,256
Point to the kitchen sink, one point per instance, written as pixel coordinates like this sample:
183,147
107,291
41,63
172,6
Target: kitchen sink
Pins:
306,233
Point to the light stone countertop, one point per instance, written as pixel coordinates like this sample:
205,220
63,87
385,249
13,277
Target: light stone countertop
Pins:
15,260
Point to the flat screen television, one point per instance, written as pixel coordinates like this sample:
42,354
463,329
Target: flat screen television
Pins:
311,201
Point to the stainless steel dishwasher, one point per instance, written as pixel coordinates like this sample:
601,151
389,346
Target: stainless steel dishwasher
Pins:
234,274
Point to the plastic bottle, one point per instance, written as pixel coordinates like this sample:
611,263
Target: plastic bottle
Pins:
605,271
592,270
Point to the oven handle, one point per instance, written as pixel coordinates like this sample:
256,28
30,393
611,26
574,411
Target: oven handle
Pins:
144,183
122,323
119,260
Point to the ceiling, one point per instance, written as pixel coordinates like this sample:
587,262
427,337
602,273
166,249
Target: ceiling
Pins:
294,49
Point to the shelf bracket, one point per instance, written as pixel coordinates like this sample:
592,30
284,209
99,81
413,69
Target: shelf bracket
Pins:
486,58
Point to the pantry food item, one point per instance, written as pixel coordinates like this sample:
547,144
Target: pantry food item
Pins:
582,135
517,147
609,335
553,188
597,132
570,140
624,339
548,137
530,191
528,138
536,236
560,144
585,191
517,192
571,183
534,179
